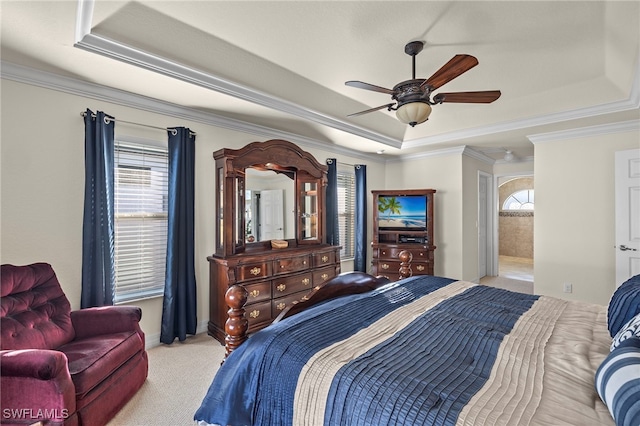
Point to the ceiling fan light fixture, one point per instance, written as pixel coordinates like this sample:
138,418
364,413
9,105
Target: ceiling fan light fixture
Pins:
413,113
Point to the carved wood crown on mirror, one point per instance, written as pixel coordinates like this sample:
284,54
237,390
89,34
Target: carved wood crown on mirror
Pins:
272,278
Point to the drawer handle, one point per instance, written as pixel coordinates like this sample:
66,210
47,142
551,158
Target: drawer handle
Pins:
306,281
255,271
385,266
325,259
254,293
384,252
254,314
304,262
420,268
281,287
324,276
280,306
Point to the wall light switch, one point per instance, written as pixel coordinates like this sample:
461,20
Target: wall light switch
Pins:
568,288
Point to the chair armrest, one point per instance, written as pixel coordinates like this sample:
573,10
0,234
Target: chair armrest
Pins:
36,381
106,320
41,364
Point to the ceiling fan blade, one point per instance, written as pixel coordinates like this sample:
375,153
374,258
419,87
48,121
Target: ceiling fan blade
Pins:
456,66
371,110
485,97
367,86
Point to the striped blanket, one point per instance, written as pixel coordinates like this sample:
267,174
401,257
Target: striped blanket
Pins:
422,351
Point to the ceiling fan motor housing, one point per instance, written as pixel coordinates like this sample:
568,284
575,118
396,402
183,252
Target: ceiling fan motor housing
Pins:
411,91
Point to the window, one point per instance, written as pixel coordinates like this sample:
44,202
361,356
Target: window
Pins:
519,200
140,206
346,206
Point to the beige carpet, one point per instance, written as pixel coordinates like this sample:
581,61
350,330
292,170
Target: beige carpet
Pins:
179,376
508,284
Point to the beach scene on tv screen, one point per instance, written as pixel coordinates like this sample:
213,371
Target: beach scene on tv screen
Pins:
402,212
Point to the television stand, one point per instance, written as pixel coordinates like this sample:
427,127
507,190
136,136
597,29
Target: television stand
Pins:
388,242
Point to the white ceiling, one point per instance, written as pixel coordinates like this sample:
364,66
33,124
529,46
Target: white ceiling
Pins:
282,64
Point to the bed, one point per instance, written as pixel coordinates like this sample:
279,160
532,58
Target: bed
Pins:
434,351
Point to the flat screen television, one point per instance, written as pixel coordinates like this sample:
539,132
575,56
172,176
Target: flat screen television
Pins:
402,212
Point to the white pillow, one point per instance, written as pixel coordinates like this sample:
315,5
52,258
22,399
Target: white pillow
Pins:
630,329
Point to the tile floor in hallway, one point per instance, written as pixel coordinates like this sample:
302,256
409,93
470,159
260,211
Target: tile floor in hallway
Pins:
517,268
515,273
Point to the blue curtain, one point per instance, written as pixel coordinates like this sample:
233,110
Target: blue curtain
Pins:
97,225
179,306
333,229
360,255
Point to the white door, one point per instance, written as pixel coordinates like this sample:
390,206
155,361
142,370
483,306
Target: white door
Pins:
271,214
483,223
627,214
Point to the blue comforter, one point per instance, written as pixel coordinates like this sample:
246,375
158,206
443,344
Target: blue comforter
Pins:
424,372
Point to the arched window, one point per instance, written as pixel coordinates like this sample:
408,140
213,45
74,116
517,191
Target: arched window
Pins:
519,200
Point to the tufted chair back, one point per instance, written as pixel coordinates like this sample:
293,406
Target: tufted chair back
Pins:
34,312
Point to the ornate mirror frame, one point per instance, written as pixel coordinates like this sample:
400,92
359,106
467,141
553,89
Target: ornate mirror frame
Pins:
310,181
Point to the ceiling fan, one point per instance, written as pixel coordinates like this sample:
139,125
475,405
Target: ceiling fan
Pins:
414,96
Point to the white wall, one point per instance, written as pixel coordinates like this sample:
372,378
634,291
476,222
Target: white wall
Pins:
444,174
42,184
574,215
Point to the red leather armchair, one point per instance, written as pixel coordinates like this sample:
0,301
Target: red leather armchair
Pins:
62,367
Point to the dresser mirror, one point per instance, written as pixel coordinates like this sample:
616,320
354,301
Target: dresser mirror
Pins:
258,184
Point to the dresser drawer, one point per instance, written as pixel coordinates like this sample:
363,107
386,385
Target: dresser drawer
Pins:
323,259
291,284
291,264
387,266
281,303
322,275
250,271
393,253
258,313
391,268
258,291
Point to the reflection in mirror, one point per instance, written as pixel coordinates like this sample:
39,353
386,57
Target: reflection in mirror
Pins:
269,206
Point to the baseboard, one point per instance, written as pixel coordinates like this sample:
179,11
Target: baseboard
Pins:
153,340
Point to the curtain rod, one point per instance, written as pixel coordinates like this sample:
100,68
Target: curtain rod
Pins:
84,114
343,164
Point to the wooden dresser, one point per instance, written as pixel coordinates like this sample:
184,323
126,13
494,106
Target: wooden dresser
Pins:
244,251
273,279
392,235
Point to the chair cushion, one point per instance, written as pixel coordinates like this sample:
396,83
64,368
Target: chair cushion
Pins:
93,359
34,312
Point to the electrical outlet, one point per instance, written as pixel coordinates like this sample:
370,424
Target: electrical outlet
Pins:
568,288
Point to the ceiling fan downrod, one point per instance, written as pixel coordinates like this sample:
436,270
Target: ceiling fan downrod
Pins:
412,49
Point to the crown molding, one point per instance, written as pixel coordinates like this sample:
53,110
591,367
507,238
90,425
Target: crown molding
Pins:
121,52
472,153
456,150
633,102
597,130
47,80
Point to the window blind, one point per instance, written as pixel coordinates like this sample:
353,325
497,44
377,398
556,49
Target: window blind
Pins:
140,206
346,206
